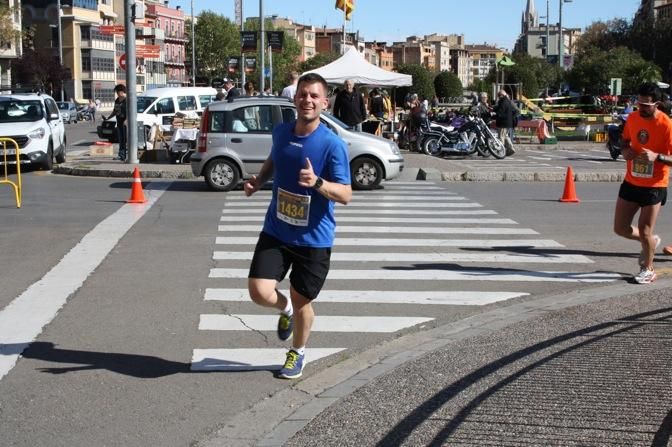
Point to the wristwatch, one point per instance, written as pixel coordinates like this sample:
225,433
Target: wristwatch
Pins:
318,183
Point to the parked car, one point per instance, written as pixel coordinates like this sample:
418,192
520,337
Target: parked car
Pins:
35,123
159,105
235,139
68,111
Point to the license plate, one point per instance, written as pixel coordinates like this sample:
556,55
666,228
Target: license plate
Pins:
107,131
180,147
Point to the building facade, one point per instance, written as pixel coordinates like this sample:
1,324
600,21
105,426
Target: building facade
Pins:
12,49
483,59
304,34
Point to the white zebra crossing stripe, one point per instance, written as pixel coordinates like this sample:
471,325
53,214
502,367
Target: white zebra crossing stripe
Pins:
404,220
322,323
484,274
249,359
261,211
543,258
464,243
356,198
402,229
400,205
455,298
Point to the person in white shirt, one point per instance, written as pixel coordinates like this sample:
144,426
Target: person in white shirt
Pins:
290,90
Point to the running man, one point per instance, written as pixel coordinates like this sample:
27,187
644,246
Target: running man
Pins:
647,144
310,171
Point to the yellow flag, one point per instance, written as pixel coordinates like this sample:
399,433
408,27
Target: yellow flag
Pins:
347,6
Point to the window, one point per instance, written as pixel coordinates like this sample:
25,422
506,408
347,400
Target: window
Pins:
186,102
205,100
288,114
165,105
256,119
86,60
86,32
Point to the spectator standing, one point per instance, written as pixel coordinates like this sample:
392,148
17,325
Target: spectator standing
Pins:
504,115
220,96
92,111
119,112
377,104
310,171
483,108
249,88
231,91
349,106
388,104
290,90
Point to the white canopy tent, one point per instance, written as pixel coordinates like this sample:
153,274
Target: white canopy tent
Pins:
352,65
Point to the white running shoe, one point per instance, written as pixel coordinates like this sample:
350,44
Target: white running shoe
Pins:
642,257
645,276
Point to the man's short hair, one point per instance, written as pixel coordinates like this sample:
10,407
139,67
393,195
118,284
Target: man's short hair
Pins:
649,89
119,88
294,76
311,78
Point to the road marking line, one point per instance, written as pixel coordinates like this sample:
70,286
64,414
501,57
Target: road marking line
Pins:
261,211
540,258
401,205
415,274
24,318
322,323
377,242
401,229
437,220
455,298
249,359
356,199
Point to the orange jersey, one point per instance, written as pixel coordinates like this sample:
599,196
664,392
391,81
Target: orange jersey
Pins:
656,135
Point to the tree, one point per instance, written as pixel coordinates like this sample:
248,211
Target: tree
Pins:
594,68
447,85
317,61
8,34
39,71
481,85
217,38
422,82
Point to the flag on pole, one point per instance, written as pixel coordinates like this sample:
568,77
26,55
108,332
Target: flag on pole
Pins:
346,6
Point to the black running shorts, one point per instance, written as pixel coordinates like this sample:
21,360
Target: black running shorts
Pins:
641,195
273,258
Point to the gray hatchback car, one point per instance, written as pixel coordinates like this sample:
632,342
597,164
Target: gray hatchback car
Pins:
235,140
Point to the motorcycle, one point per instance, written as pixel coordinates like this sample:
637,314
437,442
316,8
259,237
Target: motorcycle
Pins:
84,113
614,133
488,141
458,138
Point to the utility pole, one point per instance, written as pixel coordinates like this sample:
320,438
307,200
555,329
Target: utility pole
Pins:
548,33
131,95
60,45
242,54
262,46
193,45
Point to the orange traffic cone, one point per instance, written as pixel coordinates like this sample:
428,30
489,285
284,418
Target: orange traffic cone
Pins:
137,196
569,195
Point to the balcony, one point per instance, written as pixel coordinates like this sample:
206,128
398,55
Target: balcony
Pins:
175,36
86,4
174,61
146,31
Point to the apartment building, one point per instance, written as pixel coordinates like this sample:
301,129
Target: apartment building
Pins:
304,34
663,9
87,54
10,50
384,57
460,64
330,40
483,59
414,51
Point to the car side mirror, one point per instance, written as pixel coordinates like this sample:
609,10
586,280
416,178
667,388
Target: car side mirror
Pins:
53,116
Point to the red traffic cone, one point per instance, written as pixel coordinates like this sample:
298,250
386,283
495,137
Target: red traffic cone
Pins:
137,196
569,195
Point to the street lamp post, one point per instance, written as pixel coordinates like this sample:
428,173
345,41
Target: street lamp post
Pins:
60,45
193,46
561,39
261,45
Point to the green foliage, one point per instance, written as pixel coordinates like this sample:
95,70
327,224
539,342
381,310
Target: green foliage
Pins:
8,34
533,73
39,70
422,82
447,85
481,85
217,38
317,61
594,68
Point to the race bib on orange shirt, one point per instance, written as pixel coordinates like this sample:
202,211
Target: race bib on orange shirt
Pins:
642,168
293,208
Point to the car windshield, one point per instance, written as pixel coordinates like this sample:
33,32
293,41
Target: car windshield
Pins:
144,102
65,105
336,120
16,110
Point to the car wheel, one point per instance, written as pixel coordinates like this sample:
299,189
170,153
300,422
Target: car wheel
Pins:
221,175
366,173
60,158
48,163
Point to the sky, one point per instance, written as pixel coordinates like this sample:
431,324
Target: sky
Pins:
495,22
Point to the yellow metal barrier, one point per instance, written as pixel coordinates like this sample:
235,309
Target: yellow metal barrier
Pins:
17,152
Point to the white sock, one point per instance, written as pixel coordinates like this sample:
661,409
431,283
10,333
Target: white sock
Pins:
288,310
300,351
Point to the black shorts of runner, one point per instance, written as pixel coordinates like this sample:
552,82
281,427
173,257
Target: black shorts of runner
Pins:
273,258
641,195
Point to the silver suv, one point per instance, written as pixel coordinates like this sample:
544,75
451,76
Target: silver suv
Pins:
235,140
35,123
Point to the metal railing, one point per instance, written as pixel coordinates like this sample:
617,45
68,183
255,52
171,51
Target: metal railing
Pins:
16,152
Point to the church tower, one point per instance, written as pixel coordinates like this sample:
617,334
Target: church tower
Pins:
530,17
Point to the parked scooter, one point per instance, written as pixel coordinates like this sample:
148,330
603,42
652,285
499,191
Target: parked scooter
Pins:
84,113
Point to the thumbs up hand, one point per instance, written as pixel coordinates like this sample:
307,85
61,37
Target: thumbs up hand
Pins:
307,177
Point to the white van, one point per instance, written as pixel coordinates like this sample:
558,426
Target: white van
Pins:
159,105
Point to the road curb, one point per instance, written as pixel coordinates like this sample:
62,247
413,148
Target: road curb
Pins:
274,420
85,170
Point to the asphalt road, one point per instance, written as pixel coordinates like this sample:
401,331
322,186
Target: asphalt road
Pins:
114,367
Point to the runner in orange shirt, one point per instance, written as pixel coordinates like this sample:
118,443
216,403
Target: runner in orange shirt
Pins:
647,145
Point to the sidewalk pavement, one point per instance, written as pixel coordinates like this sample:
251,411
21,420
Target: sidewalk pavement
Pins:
587,368
416,167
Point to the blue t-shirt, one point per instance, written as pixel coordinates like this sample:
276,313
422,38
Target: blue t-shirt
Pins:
328,155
